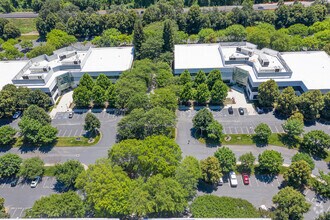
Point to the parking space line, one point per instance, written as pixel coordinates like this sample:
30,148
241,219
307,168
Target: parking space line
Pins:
20,214
12,214
59,133
69,135
75,134
278,181
241,130
276,129
64,133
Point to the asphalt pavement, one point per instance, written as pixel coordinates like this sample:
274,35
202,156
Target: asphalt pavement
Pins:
22,196
261,190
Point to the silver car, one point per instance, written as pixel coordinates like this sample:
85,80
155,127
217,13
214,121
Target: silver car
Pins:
35,182
233,179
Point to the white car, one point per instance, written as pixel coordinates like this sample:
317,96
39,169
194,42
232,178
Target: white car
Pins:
35,182
233,179
17,114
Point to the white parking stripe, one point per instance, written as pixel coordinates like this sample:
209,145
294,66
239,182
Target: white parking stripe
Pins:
69,135
12,214
75,134
59,133
64,133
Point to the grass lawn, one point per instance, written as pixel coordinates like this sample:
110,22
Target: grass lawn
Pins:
29,37
65,142
49,170
25,25
246,139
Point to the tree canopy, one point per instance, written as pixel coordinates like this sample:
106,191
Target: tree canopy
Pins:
68,172
270,161
9,165
226,158
268,93
211,170
32,167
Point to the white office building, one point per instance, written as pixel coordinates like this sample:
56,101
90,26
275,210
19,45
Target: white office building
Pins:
244,64
62,71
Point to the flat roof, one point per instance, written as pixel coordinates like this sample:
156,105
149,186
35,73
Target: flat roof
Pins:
311,67
8,70
197,56
109,59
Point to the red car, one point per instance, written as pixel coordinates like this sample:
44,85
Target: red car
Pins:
246,180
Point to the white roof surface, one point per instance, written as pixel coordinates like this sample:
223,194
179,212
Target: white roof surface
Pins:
311,67
197,56
8,70
109,59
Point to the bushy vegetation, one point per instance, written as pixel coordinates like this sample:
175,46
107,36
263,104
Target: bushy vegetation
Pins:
210,206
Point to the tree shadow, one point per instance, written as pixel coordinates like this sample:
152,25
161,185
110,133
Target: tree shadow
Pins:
206,187
288,141
27,147
60,187
258,142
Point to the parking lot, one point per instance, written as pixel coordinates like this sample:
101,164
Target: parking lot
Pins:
261,190
22,196
74,127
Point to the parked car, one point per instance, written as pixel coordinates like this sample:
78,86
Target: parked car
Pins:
260,8
220,182
233,179
71,114
35,182
230,110
17,114
246,179
14,182
241,111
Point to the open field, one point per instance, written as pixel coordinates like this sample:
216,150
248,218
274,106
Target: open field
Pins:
26,25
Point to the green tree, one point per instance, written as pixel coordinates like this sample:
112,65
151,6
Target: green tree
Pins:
132,125
158,196
290,204
32,167
65,205
140,100
159,121
310,104
202,94
293,129
26,44
7,134
194,20
82,96
211,170
103,81
9,165
92,123
188,174
219,92
29,129
168,36
10,31
40,50
37,113
47,134
154,155
110,96
138,38
211,206
87,81
316,143
98,95
324,216
107,189
287,101
262,133
258,36
39,98
298,174
226,158
185,77
322,187
270,161
214,130
200,78
326,109
235,32
68,172
3,213
268,93
186,93
164,98
202,120
59,38
212,77
305,157
247,162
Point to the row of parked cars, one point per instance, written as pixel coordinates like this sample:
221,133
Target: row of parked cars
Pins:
33,183
233,179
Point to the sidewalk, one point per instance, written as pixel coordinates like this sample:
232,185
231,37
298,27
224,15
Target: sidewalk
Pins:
63,105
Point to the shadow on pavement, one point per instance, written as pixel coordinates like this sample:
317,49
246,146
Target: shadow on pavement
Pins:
205,187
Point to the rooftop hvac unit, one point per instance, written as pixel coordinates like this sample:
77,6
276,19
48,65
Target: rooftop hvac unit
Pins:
71,62
39,69
263,60
238,49
247,51
67,55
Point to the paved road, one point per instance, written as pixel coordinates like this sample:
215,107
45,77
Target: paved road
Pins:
202,151
22,196
261,190
271,6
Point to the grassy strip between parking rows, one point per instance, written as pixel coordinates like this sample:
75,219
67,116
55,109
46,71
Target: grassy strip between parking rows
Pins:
247,139
49,171
65,142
